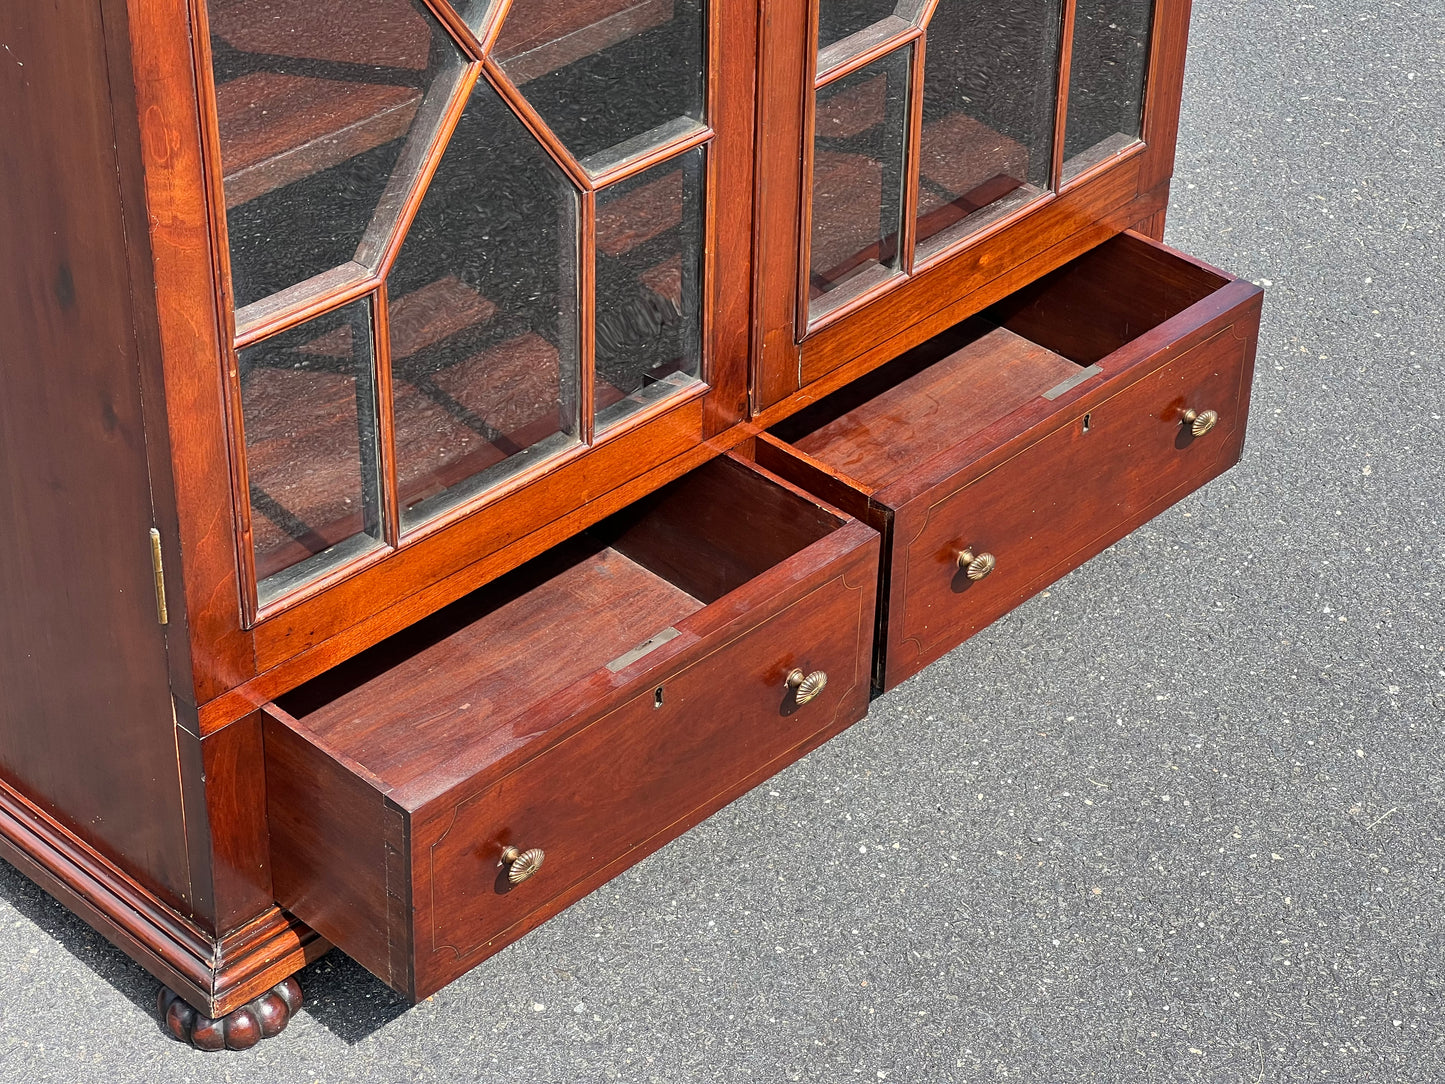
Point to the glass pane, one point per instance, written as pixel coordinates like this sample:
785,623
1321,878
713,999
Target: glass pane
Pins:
858,152
474,12
483,315
314,101
837,19
649,293
1106,80
989,92
603,72
309,413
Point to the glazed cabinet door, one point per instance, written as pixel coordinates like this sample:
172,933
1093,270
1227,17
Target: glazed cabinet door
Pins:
478,262
938,144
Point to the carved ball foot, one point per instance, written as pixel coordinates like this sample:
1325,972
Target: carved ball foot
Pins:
241,1029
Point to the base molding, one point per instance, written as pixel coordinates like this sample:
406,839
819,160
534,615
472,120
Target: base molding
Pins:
214,976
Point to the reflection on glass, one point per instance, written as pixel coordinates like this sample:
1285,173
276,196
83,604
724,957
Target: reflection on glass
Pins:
989,92
859,140
602,72
838,19
474,12
314,101
649,298
309,414
1106,80
483,315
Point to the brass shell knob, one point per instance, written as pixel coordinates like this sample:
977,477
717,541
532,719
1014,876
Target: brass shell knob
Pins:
1200,421
807,686
522,864
976,566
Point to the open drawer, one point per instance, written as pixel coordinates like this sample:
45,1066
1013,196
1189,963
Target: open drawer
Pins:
1007,451
433,799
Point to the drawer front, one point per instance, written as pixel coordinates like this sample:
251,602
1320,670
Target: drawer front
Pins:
1063,499
685,744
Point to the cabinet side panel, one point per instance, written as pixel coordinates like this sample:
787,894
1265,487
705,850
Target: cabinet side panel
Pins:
86,725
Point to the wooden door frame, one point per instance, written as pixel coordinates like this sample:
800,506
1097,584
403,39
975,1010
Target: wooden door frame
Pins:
234,666
1124,191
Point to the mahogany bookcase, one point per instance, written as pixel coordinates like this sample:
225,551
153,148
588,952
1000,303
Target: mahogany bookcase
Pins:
453,446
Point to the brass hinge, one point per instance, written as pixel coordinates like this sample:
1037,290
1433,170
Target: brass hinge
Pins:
156,564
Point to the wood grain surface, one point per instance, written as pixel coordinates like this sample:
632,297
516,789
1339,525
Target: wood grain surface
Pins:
500,720
87,729
1046,510
890,433
955,446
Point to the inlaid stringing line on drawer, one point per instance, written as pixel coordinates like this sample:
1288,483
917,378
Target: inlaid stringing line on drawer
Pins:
861,664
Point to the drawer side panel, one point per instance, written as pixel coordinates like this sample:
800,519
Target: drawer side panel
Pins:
334,847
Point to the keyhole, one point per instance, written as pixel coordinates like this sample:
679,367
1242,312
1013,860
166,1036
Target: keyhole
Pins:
1087,418
657,697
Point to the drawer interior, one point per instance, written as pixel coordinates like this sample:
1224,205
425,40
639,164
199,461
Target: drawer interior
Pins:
1106,298
496,668
1037,342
